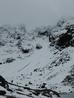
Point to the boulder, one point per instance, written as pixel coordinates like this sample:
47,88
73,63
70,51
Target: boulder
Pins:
38,46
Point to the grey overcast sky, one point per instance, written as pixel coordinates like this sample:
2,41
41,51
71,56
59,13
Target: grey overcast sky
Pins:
34,13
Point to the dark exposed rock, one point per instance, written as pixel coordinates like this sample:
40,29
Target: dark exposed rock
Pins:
64,40
25,50
72,42
44,33
9,60
30,83
38,46
35,70
18,37
2,92
68,79
70,28
43,85
62,59
0,63
44,91
3,83
51,38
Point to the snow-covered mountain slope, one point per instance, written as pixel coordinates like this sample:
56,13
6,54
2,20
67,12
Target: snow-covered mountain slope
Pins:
31,61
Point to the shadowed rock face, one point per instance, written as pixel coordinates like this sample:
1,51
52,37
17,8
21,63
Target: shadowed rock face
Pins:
2,92
3,83
64,40
62,37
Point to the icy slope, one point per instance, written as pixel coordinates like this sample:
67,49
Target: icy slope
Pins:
39,66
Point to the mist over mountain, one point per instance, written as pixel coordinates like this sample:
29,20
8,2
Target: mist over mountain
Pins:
34,13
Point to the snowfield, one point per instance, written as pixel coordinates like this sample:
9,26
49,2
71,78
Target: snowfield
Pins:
35,66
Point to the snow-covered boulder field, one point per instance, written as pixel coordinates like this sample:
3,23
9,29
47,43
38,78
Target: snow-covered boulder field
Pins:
39,60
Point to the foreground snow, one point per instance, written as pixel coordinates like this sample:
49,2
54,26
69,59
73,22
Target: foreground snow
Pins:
36,68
